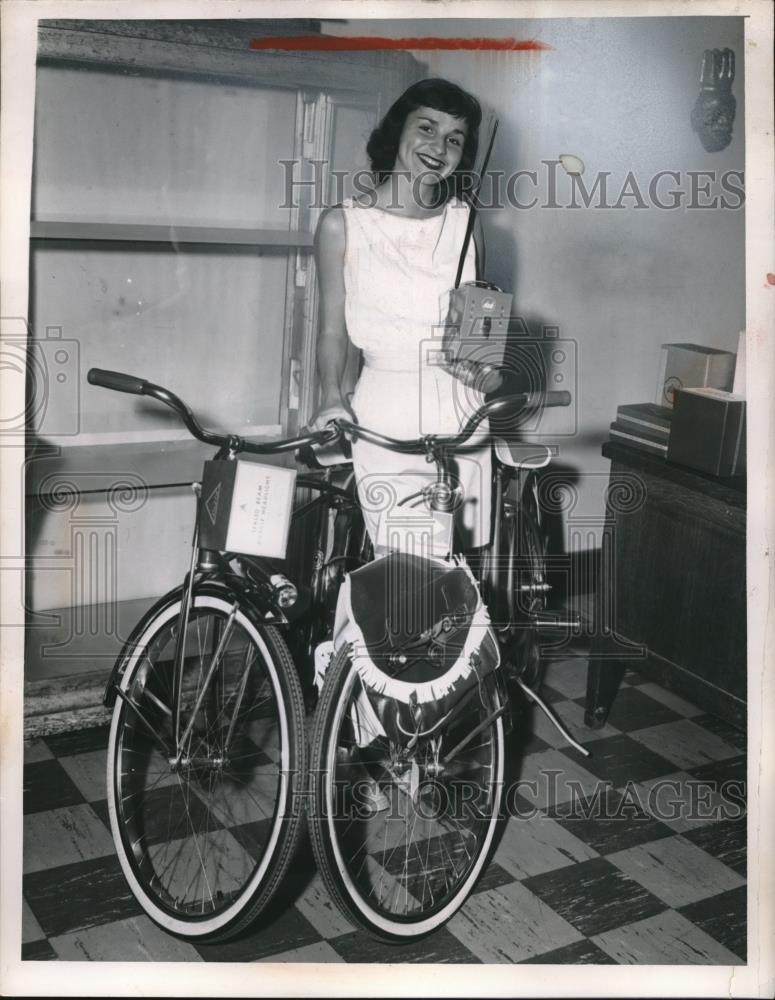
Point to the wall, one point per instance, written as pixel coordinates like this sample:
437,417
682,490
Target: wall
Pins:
619,282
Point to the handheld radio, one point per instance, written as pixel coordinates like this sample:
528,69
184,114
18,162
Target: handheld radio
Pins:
476,327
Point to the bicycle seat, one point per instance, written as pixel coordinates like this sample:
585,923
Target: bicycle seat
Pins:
522,454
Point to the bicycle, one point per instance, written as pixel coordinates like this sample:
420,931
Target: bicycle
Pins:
206,754
406,767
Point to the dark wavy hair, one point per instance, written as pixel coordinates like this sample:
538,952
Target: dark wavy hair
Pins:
382,147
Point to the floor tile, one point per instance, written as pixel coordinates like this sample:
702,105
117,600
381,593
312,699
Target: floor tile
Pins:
48,786
316,906
38,951
88,773
523,739
730,734
537,844
78,896
101,809
612,821
684,802
571,715
493,877
550,695
724,917
36,750
440,947
664,939
271,935
674,826
671,699
581,953
727,841
594,896
31,929
553,776
684,743
733,770
63,836
80,741
509,925
320,952
676,871
619,759
133,940
569,677
633,708
527,745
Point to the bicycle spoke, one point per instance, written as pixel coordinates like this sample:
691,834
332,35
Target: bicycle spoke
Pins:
177,814
407,858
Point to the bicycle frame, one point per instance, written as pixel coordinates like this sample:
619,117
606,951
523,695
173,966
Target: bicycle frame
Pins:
255,589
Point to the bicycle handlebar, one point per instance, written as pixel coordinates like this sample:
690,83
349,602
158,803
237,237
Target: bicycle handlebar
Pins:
120,382
117,381
423,445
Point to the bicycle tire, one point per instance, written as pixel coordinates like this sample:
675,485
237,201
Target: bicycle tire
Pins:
527,546
205,847
340,836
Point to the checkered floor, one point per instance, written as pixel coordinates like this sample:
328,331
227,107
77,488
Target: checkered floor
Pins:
636,854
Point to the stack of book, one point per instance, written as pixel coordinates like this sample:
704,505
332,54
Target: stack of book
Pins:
643,425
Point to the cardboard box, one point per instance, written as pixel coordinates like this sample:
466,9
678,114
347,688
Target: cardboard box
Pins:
692,366
708,431
246,508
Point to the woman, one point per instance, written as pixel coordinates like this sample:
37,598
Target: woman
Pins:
386,263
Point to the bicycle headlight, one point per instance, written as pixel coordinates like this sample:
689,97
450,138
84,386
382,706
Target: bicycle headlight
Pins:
285,593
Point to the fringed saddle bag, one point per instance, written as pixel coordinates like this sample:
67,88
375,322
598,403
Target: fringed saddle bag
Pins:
419,636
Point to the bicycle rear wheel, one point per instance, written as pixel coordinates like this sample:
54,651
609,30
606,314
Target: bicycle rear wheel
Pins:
400,835
205,842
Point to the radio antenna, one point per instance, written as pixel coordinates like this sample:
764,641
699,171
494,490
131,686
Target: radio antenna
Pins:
474,205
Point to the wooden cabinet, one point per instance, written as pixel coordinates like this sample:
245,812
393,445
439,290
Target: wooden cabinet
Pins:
671,600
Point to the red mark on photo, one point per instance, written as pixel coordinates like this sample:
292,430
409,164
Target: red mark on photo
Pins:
369,43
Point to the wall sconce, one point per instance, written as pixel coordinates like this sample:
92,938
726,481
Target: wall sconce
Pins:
714,111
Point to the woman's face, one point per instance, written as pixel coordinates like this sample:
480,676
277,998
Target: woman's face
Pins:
431,145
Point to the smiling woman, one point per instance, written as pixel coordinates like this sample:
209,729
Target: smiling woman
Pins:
430,111
386,263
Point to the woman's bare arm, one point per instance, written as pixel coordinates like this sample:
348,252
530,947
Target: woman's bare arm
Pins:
332,335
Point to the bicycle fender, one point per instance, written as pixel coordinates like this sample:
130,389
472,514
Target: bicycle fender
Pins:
231,588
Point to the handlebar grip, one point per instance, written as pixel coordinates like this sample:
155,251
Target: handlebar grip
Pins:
117,381
557,397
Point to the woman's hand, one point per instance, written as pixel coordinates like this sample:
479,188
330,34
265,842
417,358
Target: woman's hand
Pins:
334,408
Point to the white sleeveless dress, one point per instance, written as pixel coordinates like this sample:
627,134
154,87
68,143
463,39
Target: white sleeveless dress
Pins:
398,273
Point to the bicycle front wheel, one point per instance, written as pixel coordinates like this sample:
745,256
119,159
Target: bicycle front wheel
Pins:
400,832
205,828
